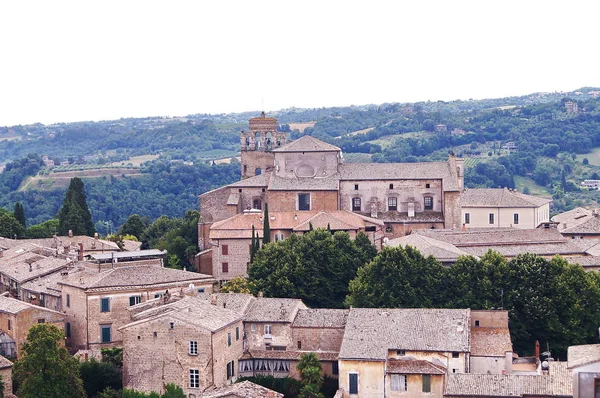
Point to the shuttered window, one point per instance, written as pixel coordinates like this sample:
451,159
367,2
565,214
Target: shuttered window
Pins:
426,383
353,383
399,383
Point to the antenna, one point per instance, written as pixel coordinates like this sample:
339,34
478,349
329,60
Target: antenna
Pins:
262,103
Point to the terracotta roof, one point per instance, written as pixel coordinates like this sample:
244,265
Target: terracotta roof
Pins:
261,180
291,355
561,369
414,366
490,342
371,332
13,306
89,243
329,183
47,284
499,197
240,225
5,363
589,263
307,143
401,171
497,385
580,355
427,246
245,389
494,236
267,309
549,249
321,318
130,277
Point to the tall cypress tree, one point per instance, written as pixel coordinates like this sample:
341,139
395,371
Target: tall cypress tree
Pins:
74,213
20,214
253,245
266,226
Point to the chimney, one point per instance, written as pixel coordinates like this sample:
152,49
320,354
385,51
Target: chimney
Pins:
260,295
464,227
80,253
537,348
66,249
213,299
70,233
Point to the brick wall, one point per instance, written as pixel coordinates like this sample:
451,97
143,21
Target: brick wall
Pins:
287,200
237,258
317,339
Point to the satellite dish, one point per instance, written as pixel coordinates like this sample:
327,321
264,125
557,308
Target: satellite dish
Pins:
191,286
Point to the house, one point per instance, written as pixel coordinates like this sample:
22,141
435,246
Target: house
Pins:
73,244
584,364
98,299
445,253
190,343
590,184
579,223
231,238
389,352
6,376
491,347
503,207
17,317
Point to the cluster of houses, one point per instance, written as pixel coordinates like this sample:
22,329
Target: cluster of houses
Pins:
175,327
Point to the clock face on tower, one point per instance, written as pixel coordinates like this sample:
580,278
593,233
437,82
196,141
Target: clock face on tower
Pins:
305,170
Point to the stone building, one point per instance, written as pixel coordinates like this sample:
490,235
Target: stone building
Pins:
98,300
258,144
584,364
17,317
6,375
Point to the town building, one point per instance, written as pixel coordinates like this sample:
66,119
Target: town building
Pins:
579,223
503,207
584,364
6,376
571,107
592,185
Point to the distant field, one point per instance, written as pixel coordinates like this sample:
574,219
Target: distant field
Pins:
62,179
387,140
136,160
301,126
10,138
363,131
593,157
217,154
226,160
472,162
534,189
357,157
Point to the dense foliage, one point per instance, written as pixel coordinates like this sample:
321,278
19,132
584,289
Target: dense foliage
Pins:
551,301
310,369
74,215
315,267
46,369
98,376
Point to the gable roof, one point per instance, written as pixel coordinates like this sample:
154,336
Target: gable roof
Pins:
267,309
371,332
589,226
5,363
321,318
442,251
499,197
245,389
580,355
29,261
328,183
571,218
510,385
414,366
307,143
10,305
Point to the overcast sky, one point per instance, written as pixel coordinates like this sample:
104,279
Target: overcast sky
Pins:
71,61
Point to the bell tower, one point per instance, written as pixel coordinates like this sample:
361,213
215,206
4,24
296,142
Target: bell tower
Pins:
257,144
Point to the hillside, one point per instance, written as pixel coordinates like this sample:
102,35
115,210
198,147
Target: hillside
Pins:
155,165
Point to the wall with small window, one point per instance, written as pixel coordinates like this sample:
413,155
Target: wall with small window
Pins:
289,200
363,378
230,258
486,217
414,385
265,335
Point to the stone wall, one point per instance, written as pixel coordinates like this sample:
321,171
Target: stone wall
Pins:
252,160
281,333
452,211
317,339
306,164
288,200
6,374
237,258
213,205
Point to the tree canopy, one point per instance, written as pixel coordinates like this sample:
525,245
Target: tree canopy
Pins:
74,215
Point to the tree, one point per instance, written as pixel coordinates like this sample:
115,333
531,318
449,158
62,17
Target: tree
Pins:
253,245
266,226
20,214
46,229
586,161
10,227
46,369
239,284
74,215
133,226
97,376
310,369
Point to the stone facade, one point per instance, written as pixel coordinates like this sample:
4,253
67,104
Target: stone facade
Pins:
6,375
257,144
288,201
234,262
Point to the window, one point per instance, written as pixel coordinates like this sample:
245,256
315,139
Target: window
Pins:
516,218
491,218
225,267
201,290
253,327
133,300
299,344
391,186
194,378
353,382
398,382
230,369
105,334
171,325
41,320
476,324
224,250
335,368
257,204
105,304
68,329
303,201
427,185
237,333
355,204
356,187
428,202
455,355
426,383
193,347
68,300
229,339
257,171
467,218
597,389
9,325
400,353
267,329
392,204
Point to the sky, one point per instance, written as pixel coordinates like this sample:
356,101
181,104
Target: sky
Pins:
66,61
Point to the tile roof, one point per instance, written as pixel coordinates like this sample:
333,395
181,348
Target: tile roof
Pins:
414,366
329,183
238,302
442,251
572,217
401,171
549,249
321,318
589,263
580,355
136,254
89,243
28,261
498,385
245,389
259,181
590,226
307,143
5,363
130,277
47,284
240,225
267,309
499,197
490,342
419,217
371,332
290,355
13,306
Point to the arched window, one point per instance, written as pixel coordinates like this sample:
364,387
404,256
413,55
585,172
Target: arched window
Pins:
258,140
428,202
257,171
